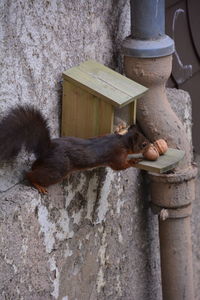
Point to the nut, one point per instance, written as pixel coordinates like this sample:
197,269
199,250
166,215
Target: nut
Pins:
161,146
120,126
122,131
151,153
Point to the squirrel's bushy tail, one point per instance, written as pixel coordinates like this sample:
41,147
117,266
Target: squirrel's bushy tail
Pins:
24,126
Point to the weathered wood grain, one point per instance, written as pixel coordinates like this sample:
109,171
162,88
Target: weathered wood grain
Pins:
105,83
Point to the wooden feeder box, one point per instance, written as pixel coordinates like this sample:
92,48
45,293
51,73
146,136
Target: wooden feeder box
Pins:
91,93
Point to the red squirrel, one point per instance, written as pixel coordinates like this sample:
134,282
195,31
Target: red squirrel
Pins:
56,158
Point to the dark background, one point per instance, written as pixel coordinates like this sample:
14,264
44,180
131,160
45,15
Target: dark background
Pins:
183,25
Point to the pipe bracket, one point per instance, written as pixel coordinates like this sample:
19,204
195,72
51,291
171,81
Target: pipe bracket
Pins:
172,213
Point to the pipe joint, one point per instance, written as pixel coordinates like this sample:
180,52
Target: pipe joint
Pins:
177,177
173,190
148,37
172,213
163,46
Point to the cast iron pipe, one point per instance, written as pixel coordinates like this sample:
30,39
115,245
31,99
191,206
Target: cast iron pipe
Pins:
147,22
148,37
148,61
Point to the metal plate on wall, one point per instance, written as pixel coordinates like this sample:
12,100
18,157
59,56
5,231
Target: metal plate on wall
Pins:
183,25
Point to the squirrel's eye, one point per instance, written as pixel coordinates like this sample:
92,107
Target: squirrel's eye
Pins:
144,144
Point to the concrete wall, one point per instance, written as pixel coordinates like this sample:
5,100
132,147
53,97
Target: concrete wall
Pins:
93,236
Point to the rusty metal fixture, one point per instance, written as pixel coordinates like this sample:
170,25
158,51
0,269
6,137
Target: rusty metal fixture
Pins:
148,60
154,112
173,190
176,258
172,193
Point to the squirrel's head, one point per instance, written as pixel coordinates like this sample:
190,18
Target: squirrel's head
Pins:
137,142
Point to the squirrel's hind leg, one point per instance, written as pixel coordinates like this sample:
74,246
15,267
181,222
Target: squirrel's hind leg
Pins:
31,178
40,188
42,177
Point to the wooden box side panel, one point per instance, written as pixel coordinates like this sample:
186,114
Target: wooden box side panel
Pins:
106,117
83,114
132,109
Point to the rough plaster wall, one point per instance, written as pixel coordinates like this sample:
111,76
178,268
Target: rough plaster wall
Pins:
195,231
93,236
181,103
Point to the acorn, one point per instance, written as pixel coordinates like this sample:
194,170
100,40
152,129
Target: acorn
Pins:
161,146
151,152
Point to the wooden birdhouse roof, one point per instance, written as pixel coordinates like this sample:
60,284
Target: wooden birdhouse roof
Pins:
104,83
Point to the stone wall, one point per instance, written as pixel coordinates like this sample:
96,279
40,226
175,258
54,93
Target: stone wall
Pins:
93,236
195,233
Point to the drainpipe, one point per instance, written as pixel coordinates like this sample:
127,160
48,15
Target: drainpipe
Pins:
148,60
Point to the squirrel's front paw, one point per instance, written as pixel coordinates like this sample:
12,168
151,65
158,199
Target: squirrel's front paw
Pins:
134,161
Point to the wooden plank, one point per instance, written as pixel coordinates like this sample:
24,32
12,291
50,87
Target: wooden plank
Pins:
133,109
164,163
105,83
83,114
113,78
79,112
106,117
96,87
